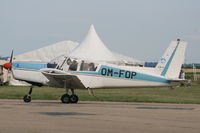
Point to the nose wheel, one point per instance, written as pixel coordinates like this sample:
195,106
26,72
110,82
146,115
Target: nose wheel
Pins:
27,98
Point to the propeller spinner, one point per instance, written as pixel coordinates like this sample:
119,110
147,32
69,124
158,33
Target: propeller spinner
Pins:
8,65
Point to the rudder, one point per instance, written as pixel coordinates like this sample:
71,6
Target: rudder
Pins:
170,64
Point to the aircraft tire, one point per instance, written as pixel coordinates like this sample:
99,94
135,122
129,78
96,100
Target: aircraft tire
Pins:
27,99
65,98
73,98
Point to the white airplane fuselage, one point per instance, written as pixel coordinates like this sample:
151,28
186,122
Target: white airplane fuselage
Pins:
120,77
112,76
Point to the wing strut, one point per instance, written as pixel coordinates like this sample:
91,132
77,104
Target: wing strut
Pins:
91,92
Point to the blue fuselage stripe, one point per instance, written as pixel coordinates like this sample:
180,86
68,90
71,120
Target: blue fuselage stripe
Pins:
29,65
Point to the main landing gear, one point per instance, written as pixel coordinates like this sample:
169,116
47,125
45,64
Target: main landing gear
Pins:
66,98
27,98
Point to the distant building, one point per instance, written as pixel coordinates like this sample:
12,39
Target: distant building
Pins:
4,58
150,64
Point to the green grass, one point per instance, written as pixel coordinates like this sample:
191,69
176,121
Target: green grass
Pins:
158,95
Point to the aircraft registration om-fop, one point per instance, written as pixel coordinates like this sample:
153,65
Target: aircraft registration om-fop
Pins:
113,72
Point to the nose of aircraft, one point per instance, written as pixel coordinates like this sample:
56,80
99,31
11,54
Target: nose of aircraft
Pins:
7,65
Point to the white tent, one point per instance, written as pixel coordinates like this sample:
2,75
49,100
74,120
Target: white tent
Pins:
122,59
93,49
45,54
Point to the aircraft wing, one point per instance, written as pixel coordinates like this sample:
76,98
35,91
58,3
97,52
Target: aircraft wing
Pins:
60,80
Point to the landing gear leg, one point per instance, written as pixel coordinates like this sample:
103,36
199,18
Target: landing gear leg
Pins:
65,98
27,98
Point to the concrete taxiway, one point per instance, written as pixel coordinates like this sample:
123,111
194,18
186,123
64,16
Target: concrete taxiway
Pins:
97,117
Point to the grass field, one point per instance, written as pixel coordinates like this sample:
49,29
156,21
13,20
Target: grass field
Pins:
159,95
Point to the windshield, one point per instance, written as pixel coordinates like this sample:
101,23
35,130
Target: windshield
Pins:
70,64
56,62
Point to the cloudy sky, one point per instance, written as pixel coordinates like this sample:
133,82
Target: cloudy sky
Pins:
141,29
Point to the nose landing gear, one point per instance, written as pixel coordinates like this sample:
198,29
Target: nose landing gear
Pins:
27,98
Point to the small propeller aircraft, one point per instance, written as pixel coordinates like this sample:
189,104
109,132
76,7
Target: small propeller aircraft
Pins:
92,65
75,73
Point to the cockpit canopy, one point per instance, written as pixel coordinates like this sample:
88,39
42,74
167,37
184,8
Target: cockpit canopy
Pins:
72,64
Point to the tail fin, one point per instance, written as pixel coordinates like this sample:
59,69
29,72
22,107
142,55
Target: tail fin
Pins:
172,60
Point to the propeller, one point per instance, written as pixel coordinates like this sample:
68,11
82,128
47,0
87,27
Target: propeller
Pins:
8,65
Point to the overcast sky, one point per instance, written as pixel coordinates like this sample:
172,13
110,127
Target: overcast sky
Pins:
141,29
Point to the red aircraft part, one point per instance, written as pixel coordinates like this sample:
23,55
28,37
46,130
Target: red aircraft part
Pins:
7,65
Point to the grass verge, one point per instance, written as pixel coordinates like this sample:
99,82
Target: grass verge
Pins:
157,95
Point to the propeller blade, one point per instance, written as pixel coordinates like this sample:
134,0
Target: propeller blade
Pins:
11,57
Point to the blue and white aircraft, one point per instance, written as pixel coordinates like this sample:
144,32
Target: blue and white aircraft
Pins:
74,73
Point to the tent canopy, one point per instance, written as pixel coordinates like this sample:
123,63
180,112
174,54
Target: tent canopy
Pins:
92,48
45,54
